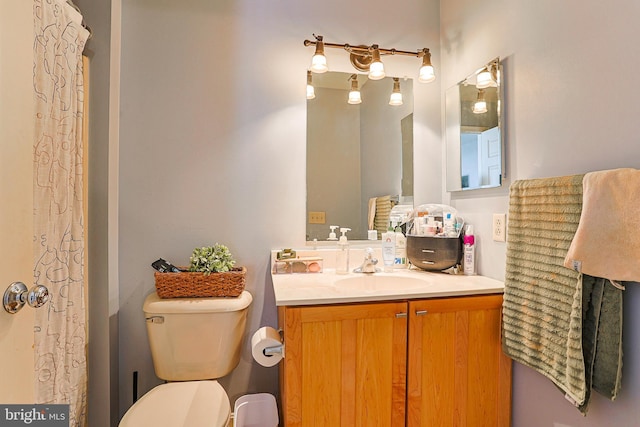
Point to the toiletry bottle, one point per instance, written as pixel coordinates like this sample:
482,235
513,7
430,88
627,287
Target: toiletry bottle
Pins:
342,254
449,224
389,249
469,252
401,248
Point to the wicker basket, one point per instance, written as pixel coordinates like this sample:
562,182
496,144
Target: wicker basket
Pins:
198,285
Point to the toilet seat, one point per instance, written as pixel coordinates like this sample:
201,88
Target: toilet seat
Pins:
189,403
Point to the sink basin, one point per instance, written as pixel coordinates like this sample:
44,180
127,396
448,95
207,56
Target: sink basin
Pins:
375,282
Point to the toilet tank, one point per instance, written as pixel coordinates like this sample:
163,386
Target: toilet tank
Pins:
195,338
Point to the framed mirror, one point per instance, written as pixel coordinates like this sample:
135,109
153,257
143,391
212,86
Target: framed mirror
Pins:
356,152
474,135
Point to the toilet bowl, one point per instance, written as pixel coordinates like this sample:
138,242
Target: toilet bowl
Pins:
193,341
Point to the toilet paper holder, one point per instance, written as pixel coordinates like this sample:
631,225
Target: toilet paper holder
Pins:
267,346
272,351
276,349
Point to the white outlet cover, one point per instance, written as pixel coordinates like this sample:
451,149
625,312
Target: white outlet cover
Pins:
499,227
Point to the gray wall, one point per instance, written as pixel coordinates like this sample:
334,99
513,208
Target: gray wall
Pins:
103,52
212,140
570,108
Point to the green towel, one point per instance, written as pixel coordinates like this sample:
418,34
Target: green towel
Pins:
542,309
602,337
549,324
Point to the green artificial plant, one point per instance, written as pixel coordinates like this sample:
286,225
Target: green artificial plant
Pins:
211,259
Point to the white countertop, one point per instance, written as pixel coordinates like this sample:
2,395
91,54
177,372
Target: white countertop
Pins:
331,288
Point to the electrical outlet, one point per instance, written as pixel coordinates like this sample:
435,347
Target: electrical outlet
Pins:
316,217
499,227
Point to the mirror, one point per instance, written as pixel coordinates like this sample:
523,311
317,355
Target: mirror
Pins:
474,134
356,152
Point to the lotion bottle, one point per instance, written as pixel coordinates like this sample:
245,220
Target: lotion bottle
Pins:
469,252
389,249
342,254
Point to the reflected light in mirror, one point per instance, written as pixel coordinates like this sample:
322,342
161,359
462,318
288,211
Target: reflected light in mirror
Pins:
480,105
396,95
311,92
354,94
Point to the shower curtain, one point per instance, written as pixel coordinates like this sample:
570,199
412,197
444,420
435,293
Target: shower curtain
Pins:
60,328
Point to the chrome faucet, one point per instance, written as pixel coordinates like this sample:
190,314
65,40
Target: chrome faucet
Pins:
369,263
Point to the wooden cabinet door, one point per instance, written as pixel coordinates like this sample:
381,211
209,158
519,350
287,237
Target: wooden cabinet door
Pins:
345,365
457,373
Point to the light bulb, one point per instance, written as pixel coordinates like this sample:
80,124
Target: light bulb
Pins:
311,92
426,73
396,95
480,107
354,97
319,64
484,79
319,61
376,69
395,99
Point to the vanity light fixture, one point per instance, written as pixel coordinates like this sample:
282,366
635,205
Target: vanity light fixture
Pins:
396,95
480,105
319,61
311,92
367,58
354,94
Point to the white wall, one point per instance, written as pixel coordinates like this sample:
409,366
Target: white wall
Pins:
571,101
212,140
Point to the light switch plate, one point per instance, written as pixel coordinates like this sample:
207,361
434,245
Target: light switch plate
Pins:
499,227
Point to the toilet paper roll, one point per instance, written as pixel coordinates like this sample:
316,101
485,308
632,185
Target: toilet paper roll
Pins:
266,338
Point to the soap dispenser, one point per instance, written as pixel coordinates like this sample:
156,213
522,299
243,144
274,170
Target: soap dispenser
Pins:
342,254
332,234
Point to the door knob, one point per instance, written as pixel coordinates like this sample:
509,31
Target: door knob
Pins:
17,295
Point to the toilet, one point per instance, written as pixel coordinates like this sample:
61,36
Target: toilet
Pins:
193,342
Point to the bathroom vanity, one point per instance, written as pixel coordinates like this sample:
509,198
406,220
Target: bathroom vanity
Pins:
409,348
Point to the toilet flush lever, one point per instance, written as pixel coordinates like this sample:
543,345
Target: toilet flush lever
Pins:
155,319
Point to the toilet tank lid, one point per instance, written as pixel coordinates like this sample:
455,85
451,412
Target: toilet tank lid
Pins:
156,305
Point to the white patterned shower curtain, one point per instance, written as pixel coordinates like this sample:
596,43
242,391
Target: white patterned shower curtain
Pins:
60,329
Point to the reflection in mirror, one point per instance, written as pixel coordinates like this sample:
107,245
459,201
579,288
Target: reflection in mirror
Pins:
474,138
356,152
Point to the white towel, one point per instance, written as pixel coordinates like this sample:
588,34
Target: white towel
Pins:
607,241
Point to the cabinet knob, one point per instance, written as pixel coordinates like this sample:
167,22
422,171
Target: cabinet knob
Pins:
400,315
421,312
